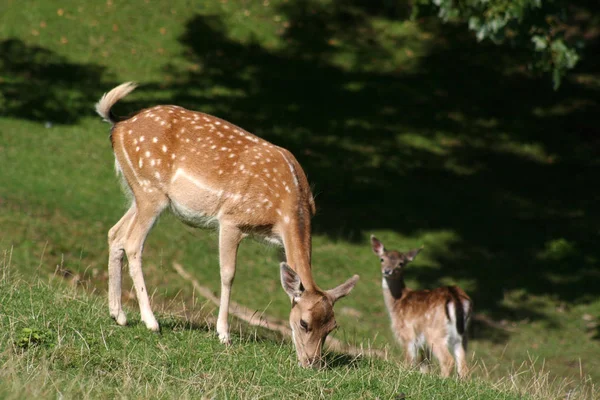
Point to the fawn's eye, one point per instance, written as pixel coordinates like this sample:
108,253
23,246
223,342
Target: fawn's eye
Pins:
303,325
381,259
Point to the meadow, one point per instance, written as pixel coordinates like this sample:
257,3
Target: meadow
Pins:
407,129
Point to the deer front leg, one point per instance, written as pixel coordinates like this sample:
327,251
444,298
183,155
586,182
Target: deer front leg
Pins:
115,265
229,240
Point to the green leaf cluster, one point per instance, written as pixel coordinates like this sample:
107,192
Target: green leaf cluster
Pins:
30,337
536,25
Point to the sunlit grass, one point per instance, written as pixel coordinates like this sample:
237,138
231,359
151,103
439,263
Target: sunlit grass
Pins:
56,340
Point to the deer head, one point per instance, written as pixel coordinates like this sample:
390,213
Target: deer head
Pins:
392,262
312,317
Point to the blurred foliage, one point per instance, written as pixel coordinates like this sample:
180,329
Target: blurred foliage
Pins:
550,30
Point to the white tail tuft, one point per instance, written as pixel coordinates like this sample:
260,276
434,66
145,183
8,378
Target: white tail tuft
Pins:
109,99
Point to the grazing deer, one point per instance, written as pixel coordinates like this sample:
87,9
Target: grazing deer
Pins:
434,320
208,170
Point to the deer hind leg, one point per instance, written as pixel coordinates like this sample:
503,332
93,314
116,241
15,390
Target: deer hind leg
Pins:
134,244
229,240
116,238
459,350
424,359
411,352
441,352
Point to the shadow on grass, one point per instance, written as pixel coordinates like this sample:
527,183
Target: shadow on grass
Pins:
176,323
337,360
40,85
457,144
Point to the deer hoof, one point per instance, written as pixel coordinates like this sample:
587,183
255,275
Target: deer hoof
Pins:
152,325
120,318
224,338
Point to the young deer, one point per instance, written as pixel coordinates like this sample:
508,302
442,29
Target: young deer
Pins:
424,320
208,170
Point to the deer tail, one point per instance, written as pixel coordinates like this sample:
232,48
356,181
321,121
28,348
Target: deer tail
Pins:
104,105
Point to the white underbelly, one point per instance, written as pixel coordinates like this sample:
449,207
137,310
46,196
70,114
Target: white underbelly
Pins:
194,202
193,216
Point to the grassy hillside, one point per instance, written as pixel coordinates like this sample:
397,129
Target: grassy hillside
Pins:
406,129
56,341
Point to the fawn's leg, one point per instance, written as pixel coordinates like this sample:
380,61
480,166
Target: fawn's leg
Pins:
459,355
411,351
440,351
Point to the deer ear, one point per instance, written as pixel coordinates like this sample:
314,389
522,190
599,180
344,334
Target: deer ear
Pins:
410,255
377,246
290,281
342,290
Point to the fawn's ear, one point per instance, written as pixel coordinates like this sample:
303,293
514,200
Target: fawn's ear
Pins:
290,281
410,255
377,246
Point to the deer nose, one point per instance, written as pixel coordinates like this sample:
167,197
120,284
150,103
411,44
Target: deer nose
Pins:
388,272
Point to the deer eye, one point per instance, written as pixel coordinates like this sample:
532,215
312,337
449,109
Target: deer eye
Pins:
303,325
381,259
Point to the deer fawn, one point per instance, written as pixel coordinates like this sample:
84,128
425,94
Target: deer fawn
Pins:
208,170
434,320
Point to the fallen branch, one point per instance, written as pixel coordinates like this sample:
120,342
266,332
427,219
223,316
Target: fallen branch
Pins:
264,321
243,313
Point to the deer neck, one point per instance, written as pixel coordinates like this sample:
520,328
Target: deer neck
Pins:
298,247
393,290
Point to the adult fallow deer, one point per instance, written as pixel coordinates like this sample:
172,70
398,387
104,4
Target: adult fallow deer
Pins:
424,320
207,170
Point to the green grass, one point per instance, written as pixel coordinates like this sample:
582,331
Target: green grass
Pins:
406,129
58,341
